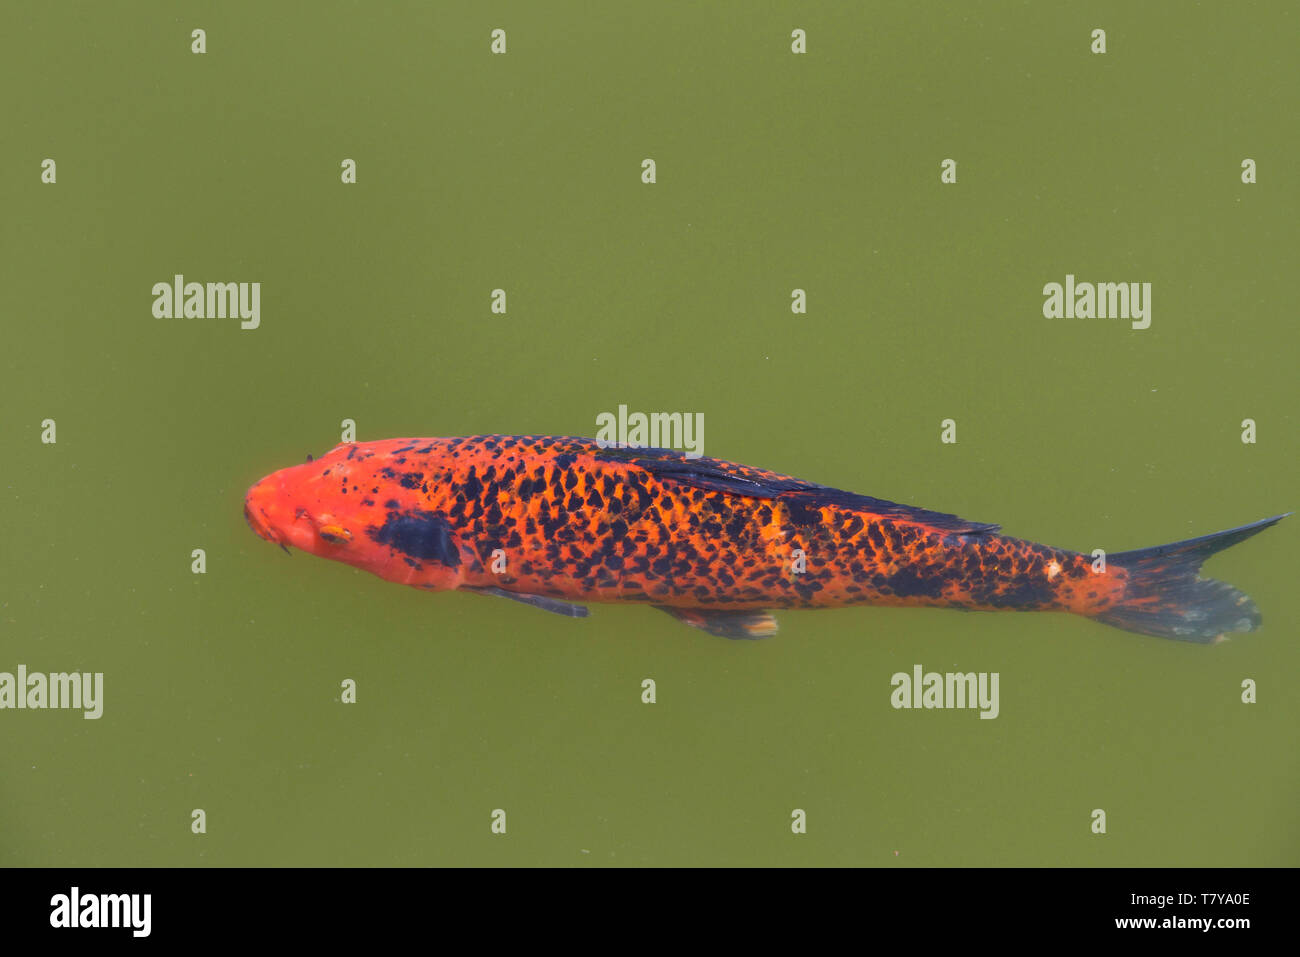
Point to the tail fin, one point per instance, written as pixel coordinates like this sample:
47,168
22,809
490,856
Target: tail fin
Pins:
1167,598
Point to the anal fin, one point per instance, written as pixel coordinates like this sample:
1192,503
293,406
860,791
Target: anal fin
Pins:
726,623
553,605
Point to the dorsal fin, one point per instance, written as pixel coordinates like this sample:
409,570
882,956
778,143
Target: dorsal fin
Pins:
718,476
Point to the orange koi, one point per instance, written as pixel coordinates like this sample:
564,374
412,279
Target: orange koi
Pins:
553,522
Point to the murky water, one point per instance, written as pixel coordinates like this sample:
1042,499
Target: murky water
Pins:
522,172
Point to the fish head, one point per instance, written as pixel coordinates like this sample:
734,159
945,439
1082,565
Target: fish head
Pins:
325,507
296,507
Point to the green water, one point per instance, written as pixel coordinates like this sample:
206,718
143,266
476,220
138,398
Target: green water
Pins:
775,171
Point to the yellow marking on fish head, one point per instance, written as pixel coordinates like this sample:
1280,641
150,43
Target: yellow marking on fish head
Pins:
334,534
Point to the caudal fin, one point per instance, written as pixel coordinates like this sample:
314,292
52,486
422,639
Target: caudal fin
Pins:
1167,598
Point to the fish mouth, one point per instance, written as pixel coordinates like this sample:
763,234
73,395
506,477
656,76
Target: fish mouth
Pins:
256,520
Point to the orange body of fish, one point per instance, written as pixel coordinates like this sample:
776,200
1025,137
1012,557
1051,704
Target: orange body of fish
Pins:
556,521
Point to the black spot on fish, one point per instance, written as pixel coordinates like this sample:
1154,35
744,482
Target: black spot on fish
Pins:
472,487
412,479
803,515
392,503
419,534
564,460
906,582
1025,594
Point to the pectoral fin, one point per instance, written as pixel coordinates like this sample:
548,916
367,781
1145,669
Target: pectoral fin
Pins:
553,605
748,623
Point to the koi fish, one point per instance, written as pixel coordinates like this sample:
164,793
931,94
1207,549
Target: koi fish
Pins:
552,522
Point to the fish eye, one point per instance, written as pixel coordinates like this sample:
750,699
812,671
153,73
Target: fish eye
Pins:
334,534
